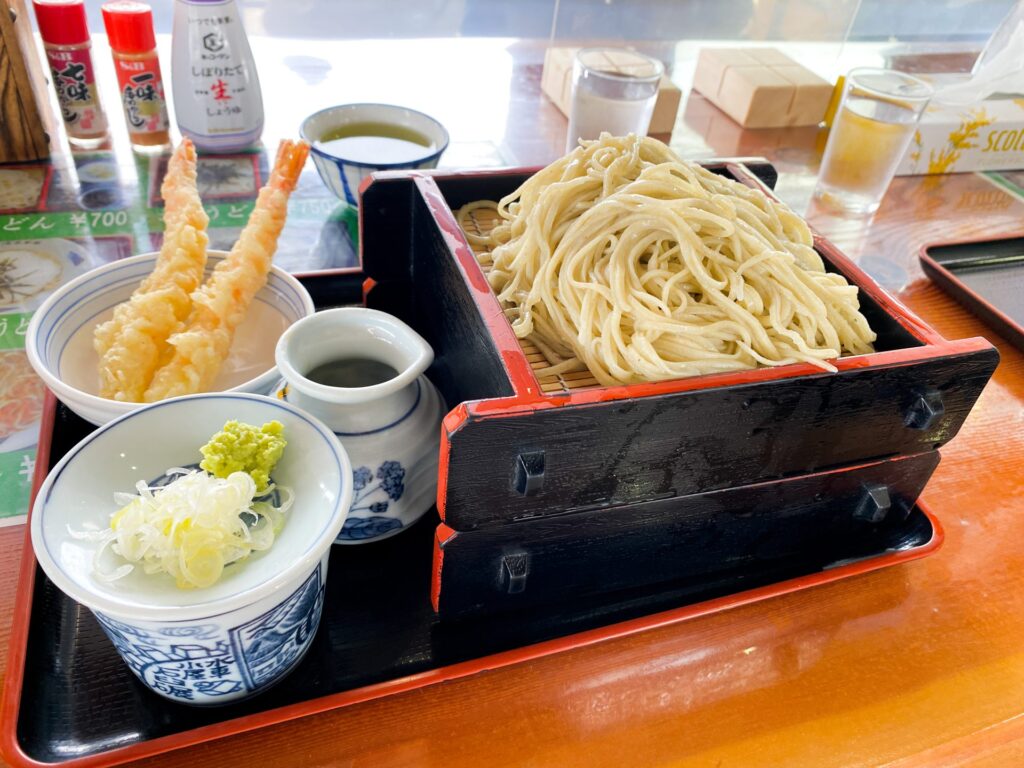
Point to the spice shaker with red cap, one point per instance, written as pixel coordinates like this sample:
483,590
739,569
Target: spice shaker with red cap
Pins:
65,35
130,31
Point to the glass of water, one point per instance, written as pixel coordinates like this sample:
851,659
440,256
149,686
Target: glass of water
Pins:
613,90
870,134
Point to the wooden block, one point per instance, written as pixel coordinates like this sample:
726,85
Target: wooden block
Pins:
556,79
23,134
770,57
663,119
713,63
755,97
761,87
626,63
811,99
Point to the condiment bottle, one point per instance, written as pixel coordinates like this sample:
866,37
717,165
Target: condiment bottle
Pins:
217,99
130,32
65,35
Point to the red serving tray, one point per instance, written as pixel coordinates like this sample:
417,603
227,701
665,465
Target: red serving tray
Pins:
14,684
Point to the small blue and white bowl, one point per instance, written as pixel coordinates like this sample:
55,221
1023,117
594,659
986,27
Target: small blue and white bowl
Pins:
246,632
344,175
59,340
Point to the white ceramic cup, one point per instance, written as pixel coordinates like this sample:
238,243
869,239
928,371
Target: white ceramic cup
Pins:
245,632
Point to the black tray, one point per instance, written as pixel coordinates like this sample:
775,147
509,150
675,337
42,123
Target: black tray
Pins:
69,699
987,277
377,626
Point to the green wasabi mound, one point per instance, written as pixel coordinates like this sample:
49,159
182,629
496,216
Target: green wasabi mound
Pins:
244,448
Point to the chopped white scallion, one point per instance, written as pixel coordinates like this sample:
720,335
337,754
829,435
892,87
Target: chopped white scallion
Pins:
190,528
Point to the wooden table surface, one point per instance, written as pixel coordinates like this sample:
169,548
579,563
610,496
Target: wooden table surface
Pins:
917,665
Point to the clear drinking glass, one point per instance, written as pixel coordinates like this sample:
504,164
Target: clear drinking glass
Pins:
613,90
870,134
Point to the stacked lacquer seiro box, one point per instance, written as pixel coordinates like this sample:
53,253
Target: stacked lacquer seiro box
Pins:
558,489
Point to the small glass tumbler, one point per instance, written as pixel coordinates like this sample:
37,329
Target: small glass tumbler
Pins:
870,134
613,90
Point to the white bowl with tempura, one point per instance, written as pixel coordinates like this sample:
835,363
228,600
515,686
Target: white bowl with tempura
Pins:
182,321
59,341
198,600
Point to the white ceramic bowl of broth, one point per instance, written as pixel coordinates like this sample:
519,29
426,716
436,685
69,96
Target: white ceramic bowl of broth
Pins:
214,644
351,141
59,341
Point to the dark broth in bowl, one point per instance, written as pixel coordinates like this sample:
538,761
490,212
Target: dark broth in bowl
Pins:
352,372
373,143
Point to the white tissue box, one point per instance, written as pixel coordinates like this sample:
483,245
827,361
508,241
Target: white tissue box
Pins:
987,136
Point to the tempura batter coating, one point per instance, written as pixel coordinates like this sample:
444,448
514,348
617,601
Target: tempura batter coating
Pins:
133,343
219,307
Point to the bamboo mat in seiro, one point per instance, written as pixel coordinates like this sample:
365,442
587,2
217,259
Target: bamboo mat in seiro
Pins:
480,222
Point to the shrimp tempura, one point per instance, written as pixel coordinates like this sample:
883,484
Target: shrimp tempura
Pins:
132,343
220,305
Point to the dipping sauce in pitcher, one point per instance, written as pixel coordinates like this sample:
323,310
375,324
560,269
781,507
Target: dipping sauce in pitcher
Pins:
352,372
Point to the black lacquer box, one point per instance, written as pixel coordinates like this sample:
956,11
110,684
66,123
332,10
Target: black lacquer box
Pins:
554,488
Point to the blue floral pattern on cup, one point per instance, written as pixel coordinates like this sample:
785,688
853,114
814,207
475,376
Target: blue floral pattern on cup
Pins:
202,661
374,492
360,528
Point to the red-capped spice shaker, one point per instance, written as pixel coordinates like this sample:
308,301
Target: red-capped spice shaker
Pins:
65,36
130,32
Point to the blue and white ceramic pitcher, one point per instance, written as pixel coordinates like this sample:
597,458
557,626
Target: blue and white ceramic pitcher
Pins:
361,372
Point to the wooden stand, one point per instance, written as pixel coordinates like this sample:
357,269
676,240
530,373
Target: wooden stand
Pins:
23,133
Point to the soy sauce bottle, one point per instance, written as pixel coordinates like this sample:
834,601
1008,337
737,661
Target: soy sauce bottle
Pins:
217,99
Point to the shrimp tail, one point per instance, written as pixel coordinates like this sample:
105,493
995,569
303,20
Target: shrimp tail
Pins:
291,157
